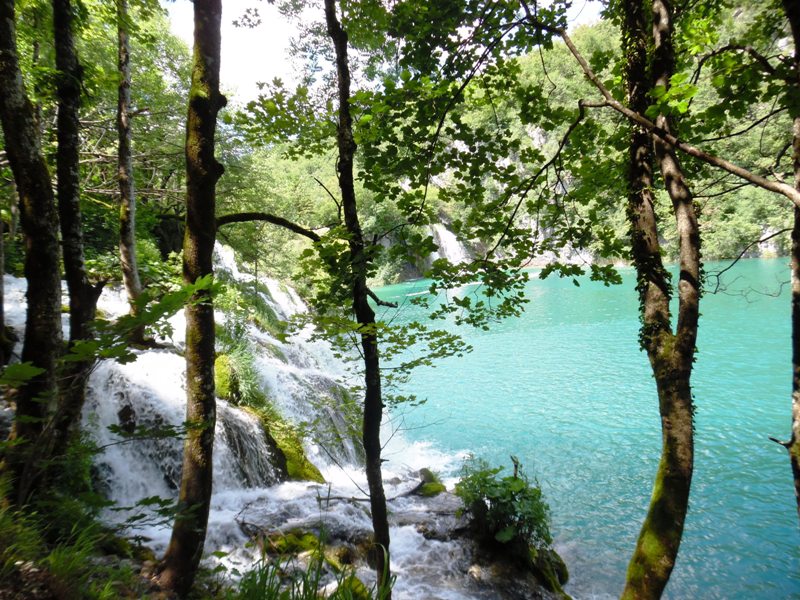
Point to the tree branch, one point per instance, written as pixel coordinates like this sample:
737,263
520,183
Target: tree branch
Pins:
335,201
532,181
773,186
762,60
718,274
753,125
380,302
246,217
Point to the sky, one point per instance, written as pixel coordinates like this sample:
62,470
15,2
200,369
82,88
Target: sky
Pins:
261,53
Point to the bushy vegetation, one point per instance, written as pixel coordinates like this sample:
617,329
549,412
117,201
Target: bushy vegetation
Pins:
506,508
277,580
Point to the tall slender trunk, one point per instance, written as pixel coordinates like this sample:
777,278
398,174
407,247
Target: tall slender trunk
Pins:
127,198
373,402
792,10
670,354
5,350
179,566
82,295
40,225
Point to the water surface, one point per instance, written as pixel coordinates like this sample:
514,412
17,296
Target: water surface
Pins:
566,389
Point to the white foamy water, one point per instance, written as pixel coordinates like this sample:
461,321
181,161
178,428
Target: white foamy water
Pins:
304,379
449,245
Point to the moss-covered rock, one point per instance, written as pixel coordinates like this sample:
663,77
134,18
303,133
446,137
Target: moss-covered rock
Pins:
295,541
434,488
275,351
288,440
430,484
550,569
226,379
352,587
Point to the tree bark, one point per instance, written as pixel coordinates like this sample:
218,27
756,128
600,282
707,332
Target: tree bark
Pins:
179,566
42,344
792,10
82,295
671,355
127,198
365,316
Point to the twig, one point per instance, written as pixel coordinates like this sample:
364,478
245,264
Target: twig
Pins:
718,274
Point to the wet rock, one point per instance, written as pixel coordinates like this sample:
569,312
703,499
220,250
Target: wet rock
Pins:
127,419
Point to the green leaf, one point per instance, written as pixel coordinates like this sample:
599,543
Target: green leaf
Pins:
506,534
17,374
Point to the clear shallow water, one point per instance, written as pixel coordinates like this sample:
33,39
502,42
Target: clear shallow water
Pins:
566,389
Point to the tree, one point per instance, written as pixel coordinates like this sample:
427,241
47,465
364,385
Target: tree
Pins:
775,79
83,296
792,11
365,316
179,565
671,354
127,199
42,345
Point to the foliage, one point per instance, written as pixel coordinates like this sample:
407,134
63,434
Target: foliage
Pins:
276,579
112,338
67,561
507,509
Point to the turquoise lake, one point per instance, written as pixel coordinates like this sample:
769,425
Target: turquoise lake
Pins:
566,389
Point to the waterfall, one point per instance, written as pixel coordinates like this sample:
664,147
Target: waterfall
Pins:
146,399
306,383
449,246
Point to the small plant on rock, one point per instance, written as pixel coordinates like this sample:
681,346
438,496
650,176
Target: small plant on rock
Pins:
504,508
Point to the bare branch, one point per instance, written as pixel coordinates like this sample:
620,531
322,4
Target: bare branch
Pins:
380,302
532,181
786,445
762,60
246,217
718,274
335,201
746,129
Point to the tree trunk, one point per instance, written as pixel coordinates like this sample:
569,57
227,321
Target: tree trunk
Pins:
373,402
671,355
179,566
5,350
82,295
40,225
792,10
127,199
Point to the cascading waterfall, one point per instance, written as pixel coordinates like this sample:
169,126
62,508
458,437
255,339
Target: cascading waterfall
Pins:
303,379
449,245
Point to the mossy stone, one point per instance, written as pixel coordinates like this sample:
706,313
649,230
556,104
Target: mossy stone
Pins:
352,587
434,488
290,444
550,569
295,541
226,380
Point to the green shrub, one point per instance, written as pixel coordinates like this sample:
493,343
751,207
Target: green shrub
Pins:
277,580
507,509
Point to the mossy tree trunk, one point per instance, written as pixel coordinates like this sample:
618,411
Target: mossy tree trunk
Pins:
179,566
39,220
671,354
82,295
373,401
127,197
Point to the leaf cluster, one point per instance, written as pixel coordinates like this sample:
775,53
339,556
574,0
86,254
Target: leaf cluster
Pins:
508,508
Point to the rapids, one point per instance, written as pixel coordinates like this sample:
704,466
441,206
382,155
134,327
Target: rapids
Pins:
248,496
